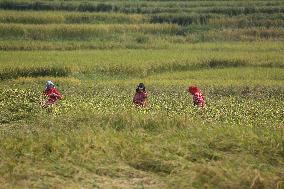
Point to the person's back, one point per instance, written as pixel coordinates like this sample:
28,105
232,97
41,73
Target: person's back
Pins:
140,97
198,98
52,94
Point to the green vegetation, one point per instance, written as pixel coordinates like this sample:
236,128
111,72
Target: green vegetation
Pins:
135,24
58,17
96,52
130,62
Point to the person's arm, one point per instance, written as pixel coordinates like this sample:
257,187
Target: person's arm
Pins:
134,98
145,99
145,95
56,93
47,93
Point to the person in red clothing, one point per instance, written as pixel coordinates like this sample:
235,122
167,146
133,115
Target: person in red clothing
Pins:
140,97
51,93
198,98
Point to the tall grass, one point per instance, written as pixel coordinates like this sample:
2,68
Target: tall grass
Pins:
58,17
246,22
63,31
96,132
156,153
95,138
131,41
231,34
181,19
55,5
144,62
223,7
233,11
8,73
128,35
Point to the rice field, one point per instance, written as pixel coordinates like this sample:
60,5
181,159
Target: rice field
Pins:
96,52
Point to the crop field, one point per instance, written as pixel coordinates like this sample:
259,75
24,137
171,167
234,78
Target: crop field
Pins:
96,52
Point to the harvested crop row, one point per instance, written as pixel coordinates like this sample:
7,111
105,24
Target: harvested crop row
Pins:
63,31
61,17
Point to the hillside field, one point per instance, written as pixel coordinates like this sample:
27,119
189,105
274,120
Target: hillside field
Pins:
96,52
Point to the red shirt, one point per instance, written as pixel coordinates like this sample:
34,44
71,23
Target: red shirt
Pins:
139,98
53,94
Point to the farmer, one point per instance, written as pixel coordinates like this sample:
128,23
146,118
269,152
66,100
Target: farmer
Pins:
140,97
198,98
51,93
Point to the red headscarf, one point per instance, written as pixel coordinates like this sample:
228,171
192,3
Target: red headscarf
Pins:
193,89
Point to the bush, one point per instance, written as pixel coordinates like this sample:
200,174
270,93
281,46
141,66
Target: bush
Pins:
8,73
180,19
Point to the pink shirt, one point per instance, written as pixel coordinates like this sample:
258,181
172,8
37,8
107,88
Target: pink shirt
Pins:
198,99
139,98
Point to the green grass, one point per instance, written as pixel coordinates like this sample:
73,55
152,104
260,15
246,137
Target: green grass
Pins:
223,7
61,17
95,137
141,61
80,32
97,53
135,25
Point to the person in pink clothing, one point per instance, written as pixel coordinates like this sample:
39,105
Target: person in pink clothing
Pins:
198,98
140,97
51,93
